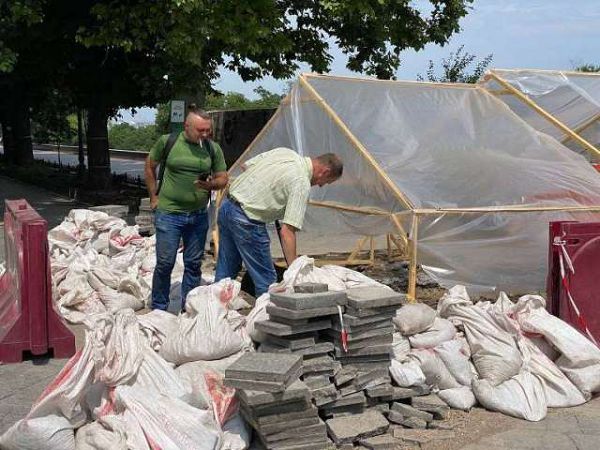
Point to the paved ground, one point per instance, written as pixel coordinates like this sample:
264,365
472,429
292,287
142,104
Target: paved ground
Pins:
564,429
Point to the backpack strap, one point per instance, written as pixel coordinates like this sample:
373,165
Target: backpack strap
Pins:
163,161
208,146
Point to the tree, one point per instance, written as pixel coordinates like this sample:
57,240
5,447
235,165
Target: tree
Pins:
236,100
455,68
111,54
590,68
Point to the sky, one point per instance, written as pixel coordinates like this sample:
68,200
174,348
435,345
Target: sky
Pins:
535,34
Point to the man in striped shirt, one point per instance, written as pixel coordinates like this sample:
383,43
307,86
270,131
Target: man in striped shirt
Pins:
274,185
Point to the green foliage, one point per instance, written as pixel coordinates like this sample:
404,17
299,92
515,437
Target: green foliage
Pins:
235,100
590,68
455,68
163,117
16,16
50,122
127,137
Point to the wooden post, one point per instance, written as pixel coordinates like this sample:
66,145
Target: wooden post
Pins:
412,271
358,248
372,250
388,241
545,114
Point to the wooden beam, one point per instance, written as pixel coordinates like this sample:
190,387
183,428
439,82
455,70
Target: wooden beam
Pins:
581,128
356,143
358,247
396,82
412,268
545,114
349,208
507,209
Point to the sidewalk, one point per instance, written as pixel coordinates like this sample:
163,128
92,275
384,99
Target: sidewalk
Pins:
563,429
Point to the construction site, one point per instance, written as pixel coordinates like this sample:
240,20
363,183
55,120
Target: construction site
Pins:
445,297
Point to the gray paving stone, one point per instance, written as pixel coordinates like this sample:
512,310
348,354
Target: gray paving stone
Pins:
383,408
319,365
254,385
297,390
282,329
382,442
366,312
409,411
298,406
345,375
408,422
432,404
362,331
383,359
317,382
373,297
351,429
440,425
279,427
400,393
305,301
294,342
287,321
264,367
354,321
295,442
350,400
349,390
277,311
378,382
321,348
297,432
364,378
363,351
325,395
311,288
309,412
380,391
365,342
368,365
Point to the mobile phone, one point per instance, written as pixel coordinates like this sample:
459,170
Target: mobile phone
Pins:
203,176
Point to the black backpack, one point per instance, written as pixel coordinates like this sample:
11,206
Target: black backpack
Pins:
206,143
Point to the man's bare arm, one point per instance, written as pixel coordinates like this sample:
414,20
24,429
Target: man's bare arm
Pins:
288,242
217,181
150,176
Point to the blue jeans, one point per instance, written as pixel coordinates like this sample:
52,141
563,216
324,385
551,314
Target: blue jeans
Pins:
170,229
244,240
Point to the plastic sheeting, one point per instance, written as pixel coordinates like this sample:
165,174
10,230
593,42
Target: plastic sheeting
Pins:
439,146
571,97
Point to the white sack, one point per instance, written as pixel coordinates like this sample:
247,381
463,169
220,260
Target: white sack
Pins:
156,326
414,318
400,347
521,396
170,424
203,332
50,432
440,331
456,361
94,436
115,300
580,358
258,314
494,351
435,371
458,398
407,374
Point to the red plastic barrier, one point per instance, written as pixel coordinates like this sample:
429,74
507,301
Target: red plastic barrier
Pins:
582,242
28,321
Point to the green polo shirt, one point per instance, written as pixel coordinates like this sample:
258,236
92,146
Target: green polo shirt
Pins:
185,162
275,185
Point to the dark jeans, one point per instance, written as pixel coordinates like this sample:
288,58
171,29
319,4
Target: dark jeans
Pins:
244,240
170,229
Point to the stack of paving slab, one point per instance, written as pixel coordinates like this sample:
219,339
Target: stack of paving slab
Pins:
294,322
145,218
276,403
119,211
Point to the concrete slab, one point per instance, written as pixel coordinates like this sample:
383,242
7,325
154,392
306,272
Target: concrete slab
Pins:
297,390
353,428
281,329
287,313
301,301
409,411
363,351
366,312
293,342
310,288
383,442
373,297
345,375
264,367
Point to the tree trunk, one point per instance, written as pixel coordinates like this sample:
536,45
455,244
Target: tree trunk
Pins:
97,148
80,156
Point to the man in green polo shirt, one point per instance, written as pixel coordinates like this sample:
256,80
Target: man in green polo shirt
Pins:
275,185
180,206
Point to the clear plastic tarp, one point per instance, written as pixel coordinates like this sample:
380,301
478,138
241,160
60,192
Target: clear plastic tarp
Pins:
571,97
439,151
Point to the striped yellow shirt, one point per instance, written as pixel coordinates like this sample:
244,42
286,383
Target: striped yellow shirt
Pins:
275,186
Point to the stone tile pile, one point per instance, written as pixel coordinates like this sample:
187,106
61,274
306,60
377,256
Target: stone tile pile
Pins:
145,218
276,403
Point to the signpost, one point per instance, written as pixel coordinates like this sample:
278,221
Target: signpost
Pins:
177,115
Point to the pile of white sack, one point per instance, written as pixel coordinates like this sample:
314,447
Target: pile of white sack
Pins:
100,264
514,358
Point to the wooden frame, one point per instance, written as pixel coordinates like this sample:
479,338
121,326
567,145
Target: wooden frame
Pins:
545,114
410,241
